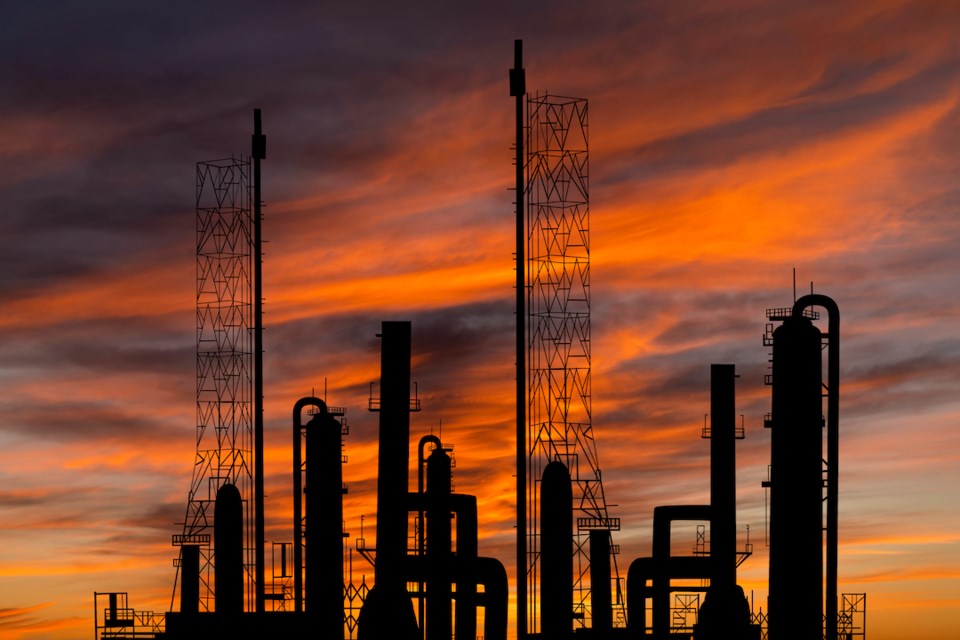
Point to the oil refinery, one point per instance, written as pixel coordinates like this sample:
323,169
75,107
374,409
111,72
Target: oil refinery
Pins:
431,578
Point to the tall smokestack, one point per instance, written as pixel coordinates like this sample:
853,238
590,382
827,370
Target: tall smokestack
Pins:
723,477
724,614
394,453
388,610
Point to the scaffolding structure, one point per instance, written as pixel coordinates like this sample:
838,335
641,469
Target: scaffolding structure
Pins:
114,618
225,367
559,419
852,619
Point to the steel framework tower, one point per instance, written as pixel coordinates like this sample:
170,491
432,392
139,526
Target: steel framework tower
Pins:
559,417
225,367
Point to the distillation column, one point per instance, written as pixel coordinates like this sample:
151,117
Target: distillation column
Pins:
796,484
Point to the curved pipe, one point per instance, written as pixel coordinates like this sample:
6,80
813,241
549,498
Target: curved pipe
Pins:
422,532
488,573
468,571
640,571
491,574
663,518
659,572
427,439
298,408
833,447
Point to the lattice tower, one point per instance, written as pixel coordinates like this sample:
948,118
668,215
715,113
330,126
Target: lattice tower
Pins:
225,372
559,414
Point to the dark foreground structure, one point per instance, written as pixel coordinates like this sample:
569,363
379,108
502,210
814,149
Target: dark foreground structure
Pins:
430,583
388,609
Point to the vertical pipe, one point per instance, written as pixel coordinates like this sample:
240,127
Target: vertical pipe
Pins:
833,450
297,510
394,455
228,551
298,408
259,152
600,604
518,90
660,580
189,579
493,577
662,569
796,512
324,526
723,485
421,523
556,553
638,574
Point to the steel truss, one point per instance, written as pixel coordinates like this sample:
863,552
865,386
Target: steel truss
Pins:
558,333
225,372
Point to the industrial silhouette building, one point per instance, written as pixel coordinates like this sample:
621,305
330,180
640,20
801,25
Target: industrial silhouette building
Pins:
437,586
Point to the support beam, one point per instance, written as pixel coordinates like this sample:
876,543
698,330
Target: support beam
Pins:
518,90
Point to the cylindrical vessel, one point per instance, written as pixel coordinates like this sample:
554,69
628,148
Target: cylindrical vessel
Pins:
228,551
556,553
324,526
189,578
439,590
796,483
600,604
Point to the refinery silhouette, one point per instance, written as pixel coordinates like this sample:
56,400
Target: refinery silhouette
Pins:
431,580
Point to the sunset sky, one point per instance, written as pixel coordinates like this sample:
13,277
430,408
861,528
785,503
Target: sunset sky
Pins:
731,142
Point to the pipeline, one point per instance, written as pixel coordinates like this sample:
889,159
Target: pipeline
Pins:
388,609
833,450
440,567
421,521
298,408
